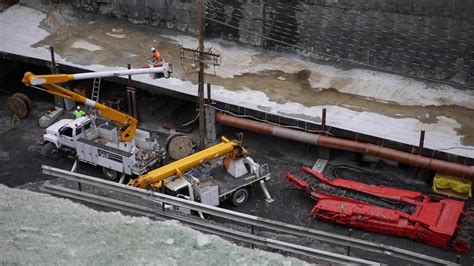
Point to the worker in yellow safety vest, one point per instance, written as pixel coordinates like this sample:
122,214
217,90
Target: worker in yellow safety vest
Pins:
78,113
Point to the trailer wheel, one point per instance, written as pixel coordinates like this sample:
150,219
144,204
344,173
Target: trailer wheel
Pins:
110,174
240,197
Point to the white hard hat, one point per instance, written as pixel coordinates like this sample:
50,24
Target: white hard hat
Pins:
78,107
153,49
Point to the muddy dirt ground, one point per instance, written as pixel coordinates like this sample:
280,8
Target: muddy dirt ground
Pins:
21,160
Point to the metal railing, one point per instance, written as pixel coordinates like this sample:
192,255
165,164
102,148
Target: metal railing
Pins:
253,221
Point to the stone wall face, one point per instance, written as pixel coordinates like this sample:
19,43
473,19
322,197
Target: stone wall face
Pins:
432,39
175,14
404,40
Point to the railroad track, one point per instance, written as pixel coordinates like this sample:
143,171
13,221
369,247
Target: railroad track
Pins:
251,220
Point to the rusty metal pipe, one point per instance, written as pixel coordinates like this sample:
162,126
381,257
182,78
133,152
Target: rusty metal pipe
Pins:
347,145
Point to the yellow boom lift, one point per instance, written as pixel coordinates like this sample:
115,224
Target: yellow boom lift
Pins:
127,124
210,176
120,148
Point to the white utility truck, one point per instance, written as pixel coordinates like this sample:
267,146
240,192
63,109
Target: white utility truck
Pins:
100,145
117,145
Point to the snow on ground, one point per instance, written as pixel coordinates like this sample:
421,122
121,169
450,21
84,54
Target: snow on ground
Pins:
18,37
118,36
38,229
237,60
440,135
83,44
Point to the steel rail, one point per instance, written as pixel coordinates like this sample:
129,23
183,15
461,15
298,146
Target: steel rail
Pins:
250,219
203,226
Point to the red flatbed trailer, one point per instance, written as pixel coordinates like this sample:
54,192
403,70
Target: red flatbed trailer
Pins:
385,210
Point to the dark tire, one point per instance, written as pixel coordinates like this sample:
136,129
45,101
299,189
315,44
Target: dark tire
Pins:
17,107
110,174
24,98
240,197
49,150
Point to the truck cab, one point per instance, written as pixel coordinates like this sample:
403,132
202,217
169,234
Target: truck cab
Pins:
67,131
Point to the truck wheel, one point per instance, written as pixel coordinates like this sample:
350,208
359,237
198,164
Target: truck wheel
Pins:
110,174
49,150
240,197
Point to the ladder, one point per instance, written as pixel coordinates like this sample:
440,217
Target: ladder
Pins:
95,92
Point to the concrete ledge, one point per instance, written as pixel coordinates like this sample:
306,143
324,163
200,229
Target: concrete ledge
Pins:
50,117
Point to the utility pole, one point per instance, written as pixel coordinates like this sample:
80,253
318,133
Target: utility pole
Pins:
131,97
202,121
58,101
208,57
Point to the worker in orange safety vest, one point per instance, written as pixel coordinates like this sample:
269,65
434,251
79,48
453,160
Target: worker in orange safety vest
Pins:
156,56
